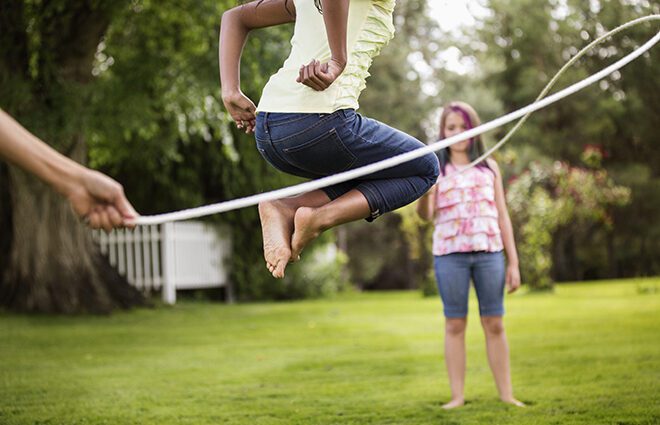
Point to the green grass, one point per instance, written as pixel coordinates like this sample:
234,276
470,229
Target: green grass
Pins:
588,354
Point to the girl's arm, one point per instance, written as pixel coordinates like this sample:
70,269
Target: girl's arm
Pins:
426,204
320,76
512,271
234,29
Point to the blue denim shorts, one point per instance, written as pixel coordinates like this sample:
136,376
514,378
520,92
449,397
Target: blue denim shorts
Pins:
318,145
487,271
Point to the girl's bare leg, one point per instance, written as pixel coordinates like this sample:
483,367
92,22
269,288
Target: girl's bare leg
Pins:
498,357
455,360
277,227
289,224
310,221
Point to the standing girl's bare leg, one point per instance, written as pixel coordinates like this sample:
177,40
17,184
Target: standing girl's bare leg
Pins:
498,357
455,360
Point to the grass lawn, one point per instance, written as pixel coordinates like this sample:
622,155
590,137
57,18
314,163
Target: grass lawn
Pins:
588,354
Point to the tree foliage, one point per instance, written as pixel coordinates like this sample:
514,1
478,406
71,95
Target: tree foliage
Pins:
134,86
549,200
49,262
533,41
515,48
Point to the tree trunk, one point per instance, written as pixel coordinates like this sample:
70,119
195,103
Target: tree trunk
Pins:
53,265
50,264
5,218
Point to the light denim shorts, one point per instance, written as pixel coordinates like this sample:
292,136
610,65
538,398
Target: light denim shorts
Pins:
486,270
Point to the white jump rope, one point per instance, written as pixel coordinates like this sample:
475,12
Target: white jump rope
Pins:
525,112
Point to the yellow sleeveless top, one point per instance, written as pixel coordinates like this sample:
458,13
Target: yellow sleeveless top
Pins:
370,28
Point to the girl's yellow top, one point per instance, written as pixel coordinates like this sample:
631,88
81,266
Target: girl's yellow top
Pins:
370,28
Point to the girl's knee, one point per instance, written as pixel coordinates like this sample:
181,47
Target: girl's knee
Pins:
493,325
455,327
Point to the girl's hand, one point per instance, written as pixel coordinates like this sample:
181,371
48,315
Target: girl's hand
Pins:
319,76
512,278
242,111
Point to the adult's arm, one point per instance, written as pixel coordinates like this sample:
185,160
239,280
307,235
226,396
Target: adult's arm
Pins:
93,195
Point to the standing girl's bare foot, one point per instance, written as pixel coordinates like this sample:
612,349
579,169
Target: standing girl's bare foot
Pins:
305,230
454,403
276,227
514,402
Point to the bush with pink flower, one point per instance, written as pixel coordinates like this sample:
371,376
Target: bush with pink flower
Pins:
549,197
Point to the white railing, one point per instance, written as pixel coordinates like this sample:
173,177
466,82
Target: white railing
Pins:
171,256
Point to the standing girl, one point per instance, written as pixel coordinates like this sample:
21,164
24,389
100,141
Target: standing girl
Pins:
472,227
306,122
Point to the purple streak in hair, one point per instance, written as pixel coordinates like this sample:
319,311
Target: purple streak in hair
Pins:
466,119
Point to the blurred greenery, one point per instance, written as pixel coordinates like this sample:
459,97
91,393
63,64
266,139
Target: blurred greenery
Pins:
152,117
528,43
511,53
557,199
507,57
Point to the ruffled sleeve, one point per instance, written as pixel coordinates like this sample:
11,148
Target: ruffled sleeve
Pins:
377,31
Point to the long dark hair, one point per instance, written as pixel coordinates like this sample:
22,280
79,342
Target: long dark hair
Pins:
471,120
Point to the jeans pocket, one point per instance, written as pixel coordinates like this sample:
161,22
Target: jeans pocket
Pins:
324,155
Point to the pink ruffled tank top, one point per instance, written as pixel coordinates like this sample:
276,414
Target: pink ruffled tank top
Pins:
466,218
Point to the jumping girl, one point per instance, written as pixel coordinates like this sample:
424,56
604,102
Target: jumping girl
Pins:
306,123
472,228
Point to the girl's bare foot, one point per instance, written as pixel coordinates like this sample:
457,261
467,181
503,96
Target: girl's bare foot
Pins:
514,402
454,404
276,227
305,230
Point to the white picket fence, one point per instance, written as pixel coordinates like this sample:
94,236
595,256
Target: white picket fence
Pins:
167,257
